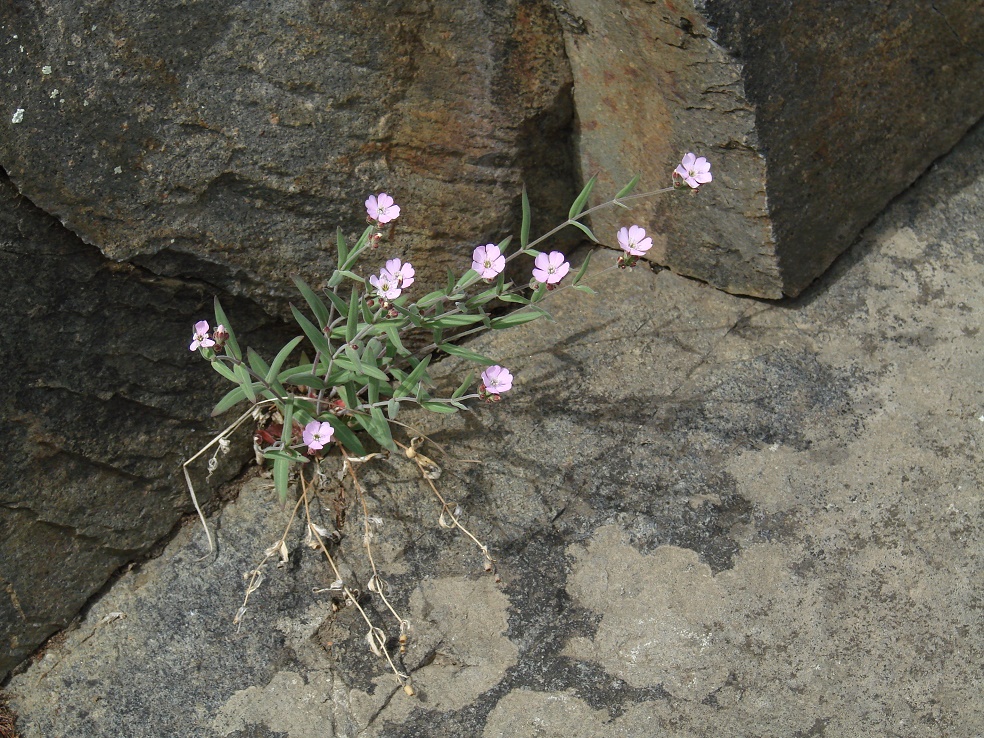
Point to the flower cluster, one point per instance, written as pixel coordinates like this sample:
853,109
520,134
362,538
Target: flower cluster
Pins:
200,338
362,371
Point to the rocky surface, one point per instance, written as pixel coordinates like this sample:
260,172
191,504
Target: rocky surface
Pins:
102,401
227,141
814,115
712,516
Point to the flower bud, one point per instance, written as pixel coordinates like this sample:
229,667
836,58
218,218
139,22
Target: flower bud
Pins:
220,336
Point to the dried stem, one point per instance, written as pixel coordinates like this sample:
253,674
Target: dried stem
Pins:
376,635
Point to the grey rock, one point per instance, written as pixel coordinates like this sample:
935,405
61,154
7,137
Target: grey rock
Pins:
813,115
227,141
711,516
102,401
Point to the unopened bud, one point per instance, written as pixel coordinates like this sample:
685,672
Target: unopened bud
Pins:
393,313
220,336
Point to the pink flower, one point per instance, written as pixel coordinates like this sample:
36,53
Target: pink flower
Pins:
550,268
386,285
201,339
403,273
496,380
316,435
381,208
488,261
634,241
694,171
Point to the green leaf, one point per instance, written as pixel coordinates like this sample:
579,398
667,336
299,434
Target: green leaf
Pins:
587,231
414,377
524,229
280,358
451,280
514,298
581,199
305,380
453,321
438,407
463,353
224,370
231,345
340,305
288,432
464,386
352,316
231,398
357,249
584,267
256,363
412,314
313,333
394,337
532,252
345,436
245,381
353,276
514,319
392,409
430,298
585,288
538,293
316,304
483,298
281,476
628,188
467,280
342,247
349,394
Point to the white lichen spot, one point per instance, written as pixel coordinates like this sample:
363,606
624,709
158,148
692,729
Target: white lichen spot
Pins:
118,170
46,69
18,116
54,94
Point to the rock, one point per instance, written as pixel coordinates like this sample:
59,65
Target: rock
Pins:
711,516
228,142
814,116
102,402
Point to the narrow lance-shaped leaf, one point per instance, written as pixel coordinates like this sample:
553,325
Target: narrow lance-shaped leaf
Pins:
342,247
585,229
225,371
231,398
628,188
281,475
256,363
352,317
245,381
524,229
287,435
584,268
280,358
231,344
346,436
514,319
463,387
414,376
314,335
463,353
316,304
582,199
